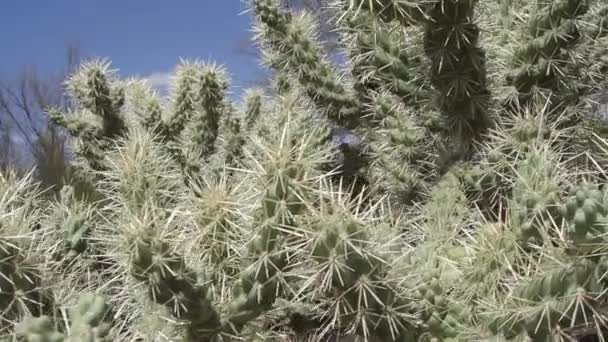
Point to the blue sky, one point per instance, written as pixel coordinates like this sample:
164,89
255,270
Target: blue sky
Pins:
140,37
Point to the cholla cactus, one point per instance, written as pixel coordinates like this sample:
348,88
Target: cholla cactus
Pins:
21,284
144,105
535,197
436,259
23,290
458,68
217,211
405,12
239,125
211,88
291,36
87,324
541,62
394,197
401,151
234,141
174,285
585,212
286,175
74,222
351,274
379,58
100,99
253,107
40,329
191,127
184,97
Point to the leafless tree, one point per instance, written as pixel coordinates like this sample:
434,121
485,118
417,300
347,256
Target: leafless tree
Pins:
7,149
23,105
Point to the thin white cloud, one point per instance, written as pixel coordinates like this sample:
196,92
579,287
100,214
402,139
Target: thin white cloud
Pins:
159,81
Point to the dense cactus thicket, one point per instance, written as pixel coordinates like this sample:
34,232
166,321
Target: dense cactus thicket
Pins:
446,182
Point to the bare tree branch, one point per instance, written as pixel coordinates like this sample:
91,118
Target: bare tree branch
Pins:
23,106
6,106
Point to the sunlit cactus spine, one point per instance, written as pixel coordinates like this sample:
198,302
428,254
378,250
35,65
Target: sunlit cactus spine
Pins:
482,182
552,302
405,138
602,24
528,132
181,110
494,256
141,171
144,180
199,109
593,59
286,175
548,302
353,274
491,175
